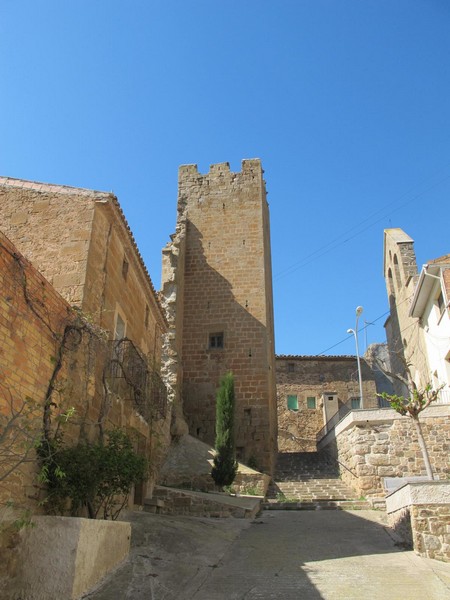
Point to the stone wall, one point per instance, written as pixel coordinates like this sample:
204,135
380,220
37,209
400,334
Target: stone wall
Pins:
384,444
51,225
51,354
315,377
80,241
420,514
430,526
225,291
32,315
404,335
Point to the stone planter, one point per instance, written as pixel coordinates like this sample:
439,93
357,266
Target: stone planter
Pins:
64,557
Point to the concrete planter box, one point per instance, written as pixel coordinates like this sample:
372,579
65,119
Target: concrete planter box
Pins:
420,513
64,557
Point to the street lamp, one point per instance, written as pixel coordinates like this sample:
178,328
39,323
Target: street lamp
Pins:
359,310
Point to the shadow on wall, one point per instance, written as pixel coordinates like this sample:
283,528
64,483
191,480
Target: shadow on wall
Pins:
221,334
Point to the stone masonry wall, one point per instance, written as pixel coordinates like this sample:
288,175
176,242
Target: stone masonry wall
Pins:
424,527
430,525
39,331
307,376
390,449
80,241
51,225
31,313
117,284
404,334
227,292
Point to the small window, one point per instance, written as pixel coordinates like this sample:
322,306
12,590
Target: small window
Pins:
292,402
311,402
291,368
125,268
216,340
330,398
147,315
355,403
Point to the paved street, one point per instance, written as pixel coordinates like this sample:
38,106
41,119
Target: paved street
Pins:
283,555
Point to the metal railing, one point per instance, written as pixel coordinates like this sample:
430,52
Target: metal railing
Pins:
444,397
131,378
331,423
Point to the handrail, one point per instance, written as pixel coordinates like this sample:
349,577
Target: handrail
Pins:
330,424
341,463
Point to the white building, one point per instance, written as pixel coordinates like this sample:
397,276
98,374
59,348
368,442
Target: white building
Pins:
430,304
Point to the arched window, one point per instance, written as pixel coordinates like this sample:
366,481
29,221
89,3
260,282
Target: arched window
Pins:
390,281
398,278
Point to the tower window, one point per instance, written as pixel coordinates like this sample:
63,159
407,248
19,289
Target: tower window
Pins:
216,340
291,367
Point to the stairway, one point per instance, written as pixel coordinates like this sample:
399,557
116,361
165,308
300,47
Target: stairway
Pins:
309,481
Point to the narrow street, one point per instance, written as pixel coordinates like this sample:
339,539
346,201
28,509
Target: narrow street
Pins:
283,555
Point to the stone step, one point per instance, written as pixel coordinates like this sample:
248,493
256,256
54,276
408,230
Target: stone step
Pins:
309,481
318,505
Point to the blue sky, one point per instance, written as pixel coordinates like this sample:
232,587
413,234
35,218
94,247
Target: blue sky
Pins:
346,102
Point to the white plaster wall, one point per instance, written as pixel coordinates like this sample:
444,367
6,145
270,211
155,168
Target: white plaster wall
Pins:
437,339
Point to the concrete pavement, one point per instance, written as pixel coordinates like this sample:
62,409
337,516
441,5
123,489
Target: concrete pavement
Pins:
283,555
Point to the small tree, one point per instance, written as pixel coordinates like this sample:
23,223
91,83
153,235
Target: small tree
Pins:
225,466
419,399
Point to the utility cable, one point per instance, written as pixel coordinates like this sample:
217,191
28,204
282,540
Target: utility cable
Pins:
338,241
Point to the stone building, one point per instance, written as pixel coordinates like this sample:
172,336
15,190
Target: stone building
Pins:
311,390
217,290
418,327
81,243
86,303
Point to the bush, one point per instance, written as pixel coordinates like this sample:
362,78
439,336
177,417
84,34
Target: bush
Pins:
96,476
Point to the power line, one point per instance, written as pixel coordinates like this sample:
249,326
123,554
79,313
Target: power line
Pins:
338,241
365,327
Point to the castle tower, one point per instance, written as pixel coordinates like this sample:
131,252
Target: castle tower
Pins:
223,284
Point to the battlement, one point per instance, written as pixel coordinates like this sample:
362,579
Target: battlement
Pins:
249,165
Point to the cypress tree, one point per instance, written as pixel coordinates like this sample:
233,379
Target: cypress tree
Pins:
225,466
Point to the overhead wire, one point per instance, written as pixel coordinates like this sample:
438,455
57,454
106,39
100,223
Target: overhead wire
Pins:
365,327
338,241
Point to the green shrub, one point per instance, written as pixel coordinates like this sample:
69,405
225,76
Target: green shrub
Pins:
225,466
96,476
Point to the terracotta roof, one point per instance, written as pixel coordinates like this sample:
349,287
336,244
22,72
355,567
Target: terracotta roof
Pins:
441,260
52,187
107,197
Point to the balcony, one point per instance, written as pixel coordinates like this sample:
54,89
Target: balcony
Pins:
130,377
444,397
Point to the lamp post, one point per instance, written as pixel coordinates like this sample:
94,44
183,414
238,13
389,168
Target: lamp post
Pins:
359,310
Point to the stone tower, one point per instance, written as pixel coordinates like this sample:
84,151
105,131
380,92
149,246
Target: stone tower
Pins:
405,339
217,288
